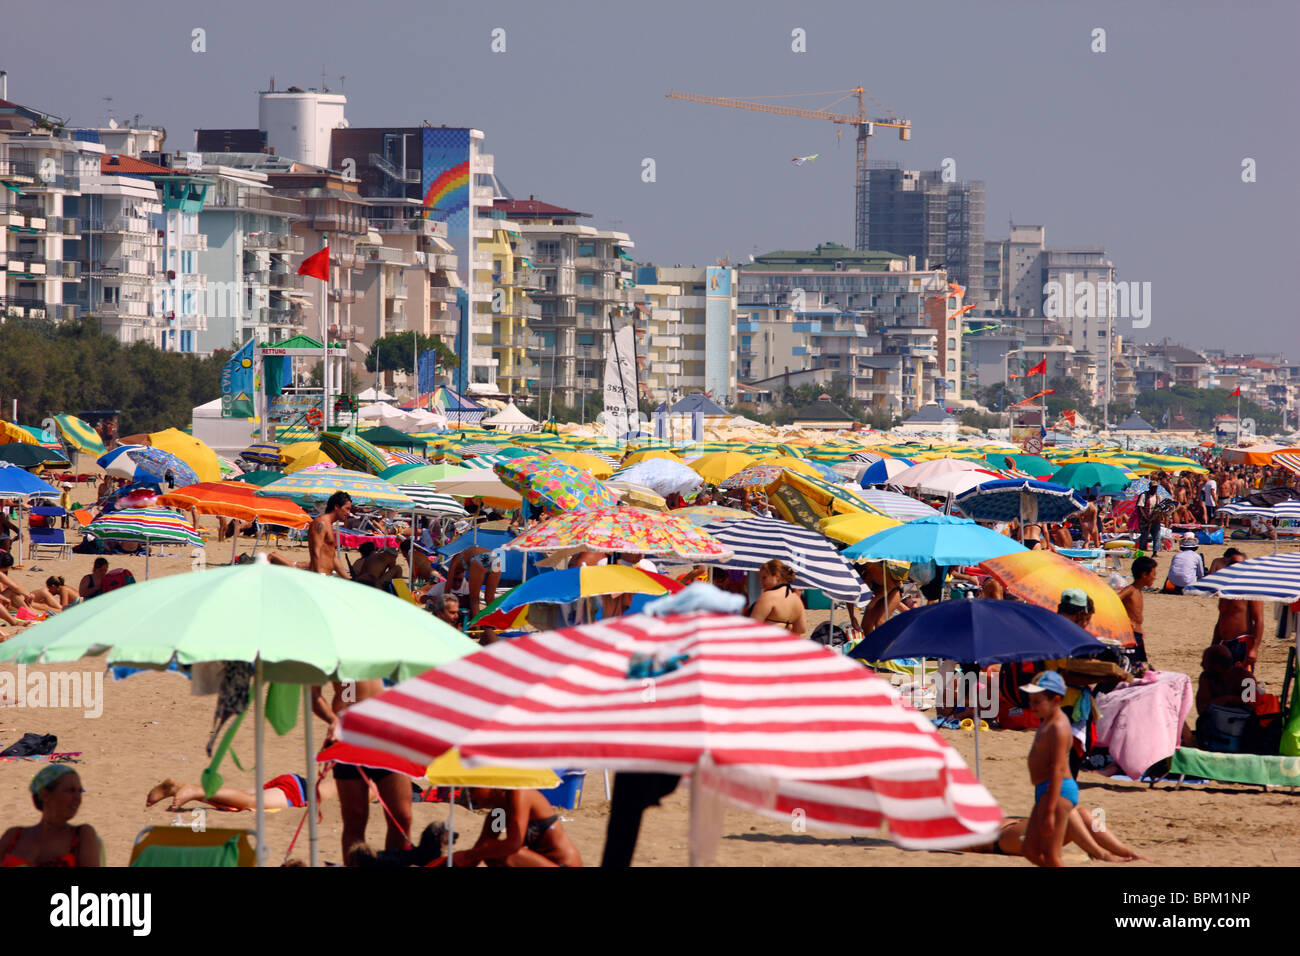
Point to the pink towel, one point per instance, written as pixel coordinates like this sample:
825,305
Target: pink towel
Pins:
1142,722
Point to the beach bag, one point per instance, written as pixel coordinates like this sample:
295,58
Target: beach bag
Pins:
833,637
32,745
117,578
1223,729
1205,537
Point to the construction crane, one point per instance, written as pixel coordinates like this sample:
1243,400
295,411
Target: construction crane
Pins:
865,126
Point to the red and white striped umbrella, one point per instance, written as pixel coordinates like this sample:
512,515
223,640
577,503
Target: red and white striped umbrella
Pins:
651,694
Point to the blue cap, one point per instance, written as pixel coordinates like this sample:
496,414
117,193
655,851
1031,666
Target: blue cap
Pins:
1047,680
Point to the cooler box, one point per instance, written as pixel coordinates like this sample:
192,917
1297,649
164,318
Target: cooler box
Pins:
568,795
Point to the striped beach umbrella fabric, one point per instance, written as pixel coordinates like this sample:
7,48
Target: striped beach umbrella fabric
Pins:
429,502
812,556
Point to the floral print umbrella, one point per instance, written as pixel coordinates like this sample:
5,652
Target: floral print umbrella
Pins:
554,485
630,530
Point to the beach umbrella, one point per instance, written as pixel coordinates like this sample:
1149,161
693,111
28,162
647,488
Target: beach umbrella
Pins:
312,459
1039,577
929,470
262,453
896,505
852,527
700,515
164,467
261,478
423,474
195,453
25,455
229,468
1084,475
1274,577
80,435
664,476
801,466
575,697
429,502
235,499
1001,500
955,482
385,437
755,476
149,526
554,485
827,496
574,584
866,457
811,555
943,539
638,495
649,454
718,466
597,466
120,465
315,487
11,433
1034,465
622,529
294,627
17,483
479,483
351,451
402,458
977,633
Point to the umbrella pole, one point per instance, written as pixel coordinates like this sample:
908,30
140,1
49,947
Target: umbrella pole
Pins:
259,771
451,824
313,838
234,545
976,723
146,559
410,558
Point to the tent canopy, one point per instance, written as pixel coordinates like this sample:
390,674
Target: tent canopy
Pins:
374,395
508,418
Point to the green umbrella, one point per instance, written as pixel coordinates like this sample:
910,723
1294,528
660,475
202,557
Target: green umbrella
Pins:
293,626
261,478
1033,465
423,474
29,456
1083,475
383,435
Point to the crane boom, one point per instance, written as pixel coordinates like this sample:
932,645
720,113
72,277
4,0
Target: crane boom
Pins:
865,125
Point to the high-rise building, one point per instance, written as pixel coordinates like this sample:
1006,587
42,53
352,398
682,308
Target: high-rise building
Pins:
924,215
687,331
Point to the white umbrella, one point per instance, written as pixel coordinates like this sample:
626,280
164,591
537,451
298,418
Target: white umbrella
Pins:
927,470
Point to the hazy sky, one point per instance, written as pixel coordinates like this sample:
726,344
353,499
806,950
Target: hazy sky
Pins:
1139,148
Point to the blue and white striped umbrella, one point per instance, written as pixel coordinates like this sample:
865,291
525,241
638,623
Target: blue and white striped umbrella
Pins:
867,457
898,506
1244,509
813,557
1275,577
1000,500
121,465
882,471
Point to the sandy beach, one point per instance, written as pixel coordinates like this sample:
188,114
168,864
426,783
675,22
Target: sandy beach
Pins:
152,728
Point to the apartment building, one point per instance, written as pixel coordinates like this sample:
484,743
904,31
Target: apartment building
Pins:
688,332
580,277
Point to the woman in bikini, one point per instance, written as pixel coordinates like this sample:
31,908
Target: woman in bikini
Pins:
778,604
55,596
521,829
54,842
1098,842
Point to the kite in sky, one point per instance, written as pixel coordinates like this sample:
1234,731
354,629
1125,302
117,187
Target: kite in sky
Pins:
983,328
800,160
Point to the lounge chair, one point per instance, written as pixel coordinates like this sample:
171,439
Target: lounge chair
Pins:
183,846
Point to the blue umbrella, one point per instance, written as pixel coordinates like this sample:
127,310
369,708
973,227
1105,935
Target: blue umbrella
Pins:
943,539
881,471
120,465
1000,500
17,483
163,466
979,632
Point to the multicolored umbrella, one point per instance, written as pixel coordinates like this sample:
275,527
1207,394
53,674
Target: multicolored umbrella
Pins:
554,485
80,435
315,487
575,698
144,524
573,584
195,453
638,495
352,451
630,530
164,467
423,474
1039,577
884,471
755,476
264,453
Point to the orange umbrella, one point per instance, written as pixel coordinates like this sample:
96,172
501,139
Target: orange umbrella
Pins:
236,499
1039,577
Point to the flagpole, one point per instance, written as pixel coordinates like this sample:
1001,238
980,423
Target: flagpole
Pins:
325,341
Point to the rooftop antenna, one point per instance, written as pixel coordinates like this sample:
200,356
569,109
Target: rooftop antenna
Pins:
323,87
108,104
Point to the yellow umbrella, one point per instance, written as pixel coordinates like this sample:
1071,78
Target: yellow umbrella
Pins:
306,461
799,465
448,771
190,450
291,453
11,433
636,456
597,466
855,526
718,466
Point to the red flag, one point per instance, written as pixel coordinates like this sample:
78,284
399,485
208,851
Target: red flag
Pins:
1236,391
317,264
1039,369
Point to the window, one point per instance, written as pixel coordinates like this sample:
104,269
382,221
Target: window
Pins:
952,365
952,342
952,324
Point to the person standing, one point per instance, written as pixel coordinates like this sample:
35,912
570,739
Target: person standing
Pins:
1149,518
1210,495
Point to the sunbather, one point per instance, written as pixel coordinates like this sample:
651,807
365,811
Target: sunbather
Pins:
54,596
1099,843
56,792
280,793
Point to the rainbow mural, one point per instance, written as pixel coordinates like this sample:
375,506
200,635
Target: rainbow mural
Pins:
445,179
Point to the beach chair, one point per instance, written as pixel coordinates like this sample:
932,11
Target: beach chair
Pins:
402,591
183,846
49,536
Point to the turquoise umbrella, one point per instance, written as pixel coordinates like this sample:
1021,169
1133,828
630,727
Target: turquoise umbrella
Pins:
293,626
1084,475
312,487
943,539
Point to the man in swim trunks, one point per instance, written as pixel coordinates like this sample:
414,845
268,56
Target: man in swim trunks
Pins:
322,542
1056,793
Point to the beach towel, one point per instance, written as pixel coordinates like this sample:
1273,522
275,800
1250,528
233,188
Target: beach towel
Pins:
1141,722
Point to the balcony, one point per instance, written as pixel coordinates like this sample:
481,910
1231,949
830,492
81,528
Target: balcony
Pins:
285,280
71,269
348,332
387,255
248,201
14,169
27,263
426,227
191,242
438,293
397,292
344,296
257,276
71,227
119,225
597,264
192,281
274,241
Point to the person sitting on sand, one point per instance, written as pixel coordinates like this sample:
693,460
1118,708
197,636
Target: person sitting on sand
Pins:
54,596
778,604
1229,557
423,567
1099,843
92,582
56,792
376,567
1223,682
521,829
280,793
